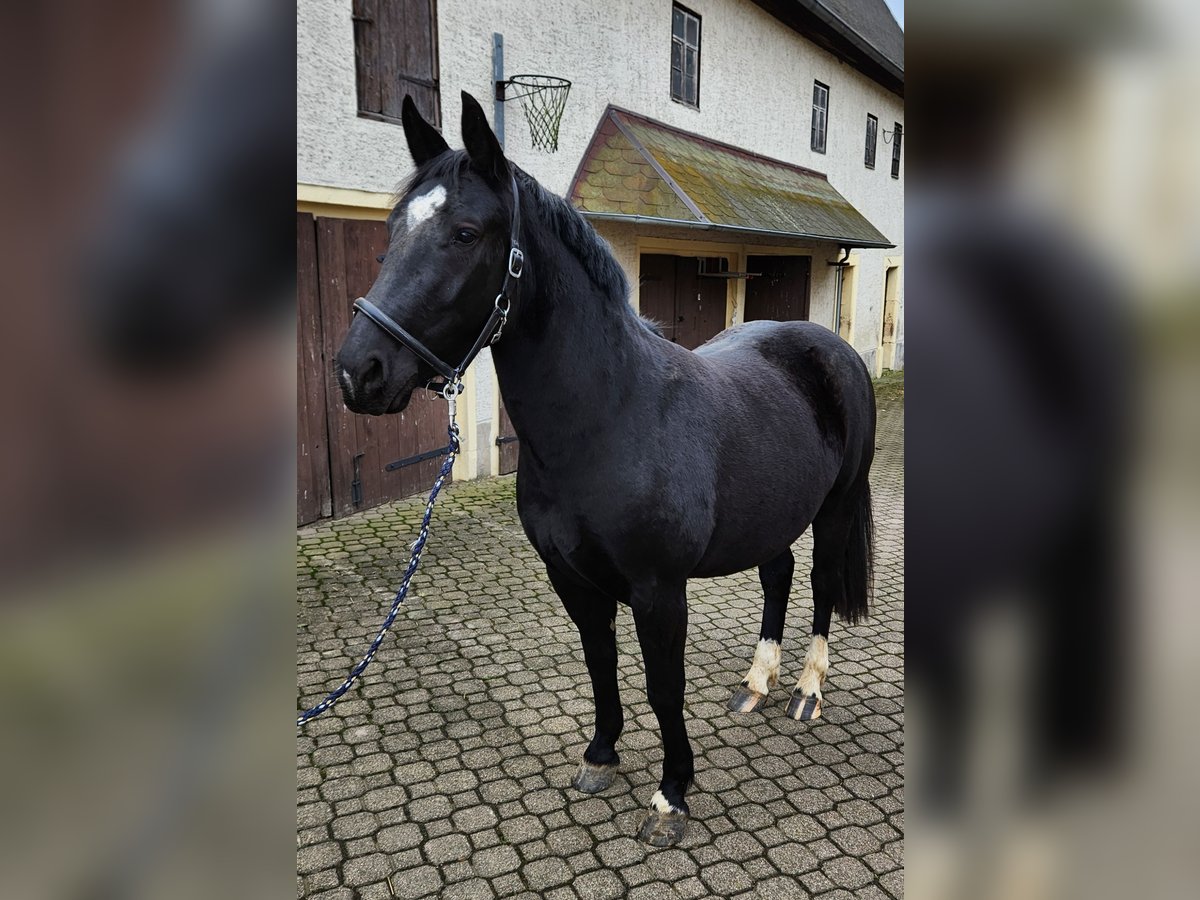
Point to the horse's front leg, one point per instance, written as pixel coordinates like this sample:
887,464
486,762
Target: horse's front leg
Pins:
660,613
594,615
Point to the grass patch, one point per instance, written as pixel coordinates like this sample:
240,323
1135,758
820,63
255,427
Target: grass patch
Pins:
889,386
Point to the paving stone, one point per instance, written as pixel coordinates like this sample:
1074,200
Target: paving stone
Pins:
496,861
355,826
366,869
725,878
398,837
446,849
781,887
847,872
599,885
544,874
317,857
446,771
418,881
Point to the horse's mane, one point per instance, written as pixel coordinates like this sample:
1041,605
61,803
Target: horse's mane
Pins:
557,215
578,236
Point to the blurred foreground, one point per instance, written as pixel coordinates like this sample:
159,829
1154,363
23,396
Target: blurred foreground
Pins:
1054,271
147,475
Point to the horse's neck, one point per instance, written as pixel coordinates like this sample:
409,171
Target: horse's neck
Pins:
570,358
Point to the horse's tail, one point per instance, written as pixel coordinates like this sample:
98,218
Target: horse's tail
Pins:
853,603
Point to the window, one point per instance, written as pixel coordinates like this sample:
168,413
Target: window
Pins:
820,119
395,53
872,133
897,135
685,56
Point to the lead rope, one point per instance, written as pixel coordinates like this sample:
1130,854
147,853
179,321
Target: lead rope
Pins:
450,392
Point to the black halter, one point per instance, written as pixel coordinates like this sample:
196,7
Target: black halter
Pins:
452,375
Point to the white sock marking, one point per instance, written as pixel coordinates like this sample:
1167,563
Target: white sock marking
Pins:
421,209
764,671
660,803
816,664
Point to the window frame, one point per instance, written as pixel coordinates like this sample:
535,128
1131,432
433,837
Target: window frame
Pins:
684,46
368,32
897,138
824,112
871,150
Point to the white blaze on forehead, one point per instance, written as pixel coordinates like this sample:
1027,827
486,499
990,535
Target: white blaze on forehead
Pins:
421,209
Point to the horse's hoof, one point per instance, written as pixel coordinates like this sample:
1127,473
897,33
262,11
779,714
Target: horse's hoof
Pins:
662,829
804,708
745,700
592,779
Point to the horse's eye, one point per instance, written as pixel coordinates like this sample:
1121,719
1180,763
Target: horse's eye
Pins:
465,236
381,257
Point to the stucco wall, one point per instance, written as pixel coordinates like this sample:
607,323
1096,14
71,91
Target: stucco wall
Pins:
756,82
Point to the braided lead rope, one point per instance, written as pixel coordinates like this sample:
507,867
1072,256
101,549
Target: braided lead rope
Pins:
414,560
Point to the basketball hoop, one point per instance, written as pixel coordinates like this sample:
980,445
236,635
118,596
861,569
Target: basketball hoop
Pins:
543,99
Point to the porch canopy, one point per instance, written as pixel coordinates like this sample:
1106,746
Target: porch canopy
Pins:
638,170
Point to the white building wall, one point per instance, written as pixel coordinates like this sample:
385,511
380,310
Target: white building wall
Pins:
756,78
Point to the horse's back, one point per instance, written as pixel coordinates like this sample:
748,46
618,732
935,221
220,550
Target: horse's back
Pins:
822,369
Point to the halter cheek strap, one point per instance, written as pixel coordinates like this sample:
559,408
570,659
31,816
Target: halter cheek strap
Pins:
492,329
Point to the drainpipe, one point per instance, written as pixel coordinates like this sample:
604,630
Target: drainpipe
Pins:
837,306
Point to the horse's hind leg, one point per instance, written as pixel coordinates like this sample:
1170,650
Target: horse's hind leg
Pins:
775,577
841,582
594,615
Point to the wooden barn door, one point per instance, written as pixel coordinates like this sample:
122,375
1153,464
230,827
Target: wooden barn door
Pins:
689,306
780,292
370,459
314,498
507,442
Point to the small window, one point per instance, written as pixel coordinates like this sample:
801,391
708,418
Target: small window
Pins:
897,136
820,117
872,134
396,53
685,56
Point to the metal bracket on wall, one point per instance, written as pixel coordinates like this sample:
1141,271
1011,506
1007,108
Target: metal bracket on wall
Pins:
413,460
498,82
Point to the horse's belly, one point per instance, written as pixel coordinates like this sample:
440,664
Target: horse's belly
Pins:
760,514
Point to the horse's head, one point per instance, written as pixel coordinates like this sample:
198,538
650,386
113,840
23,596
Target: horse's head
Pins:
448,251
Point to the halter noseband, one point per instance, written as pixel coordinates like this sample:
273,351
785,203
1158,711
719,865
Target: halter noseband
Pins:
452,375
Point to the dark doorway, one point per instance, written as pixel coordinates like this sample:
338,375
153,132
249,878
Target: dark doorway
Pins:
781,291
689,306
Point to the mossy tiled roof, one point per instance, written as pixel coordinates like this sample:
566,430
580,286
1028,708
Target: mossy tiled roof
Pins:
636,166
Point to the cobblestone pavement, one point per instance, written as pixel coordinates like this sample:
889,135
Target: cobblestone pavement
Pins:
446,772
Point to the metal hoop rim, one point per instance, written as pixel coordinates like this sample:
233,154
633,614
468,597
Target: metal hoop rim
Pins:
552,83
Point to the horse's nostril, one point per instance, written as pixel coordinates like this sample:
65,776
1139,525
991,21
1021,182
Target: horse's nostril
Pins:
372,373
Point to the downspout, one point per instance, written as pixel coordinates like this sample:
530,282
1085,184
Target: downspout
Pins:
837,306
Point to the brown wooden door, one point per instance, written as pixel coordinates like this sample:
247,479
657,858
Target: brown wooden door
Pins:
780,292
690,307
314,499
360,448
509,445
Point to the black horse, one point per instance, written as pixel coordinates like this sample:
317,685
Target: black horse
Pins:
642,464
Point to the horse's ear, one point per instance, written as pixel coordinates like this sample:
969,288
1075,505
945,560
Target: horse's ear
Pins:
487,156
424,141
